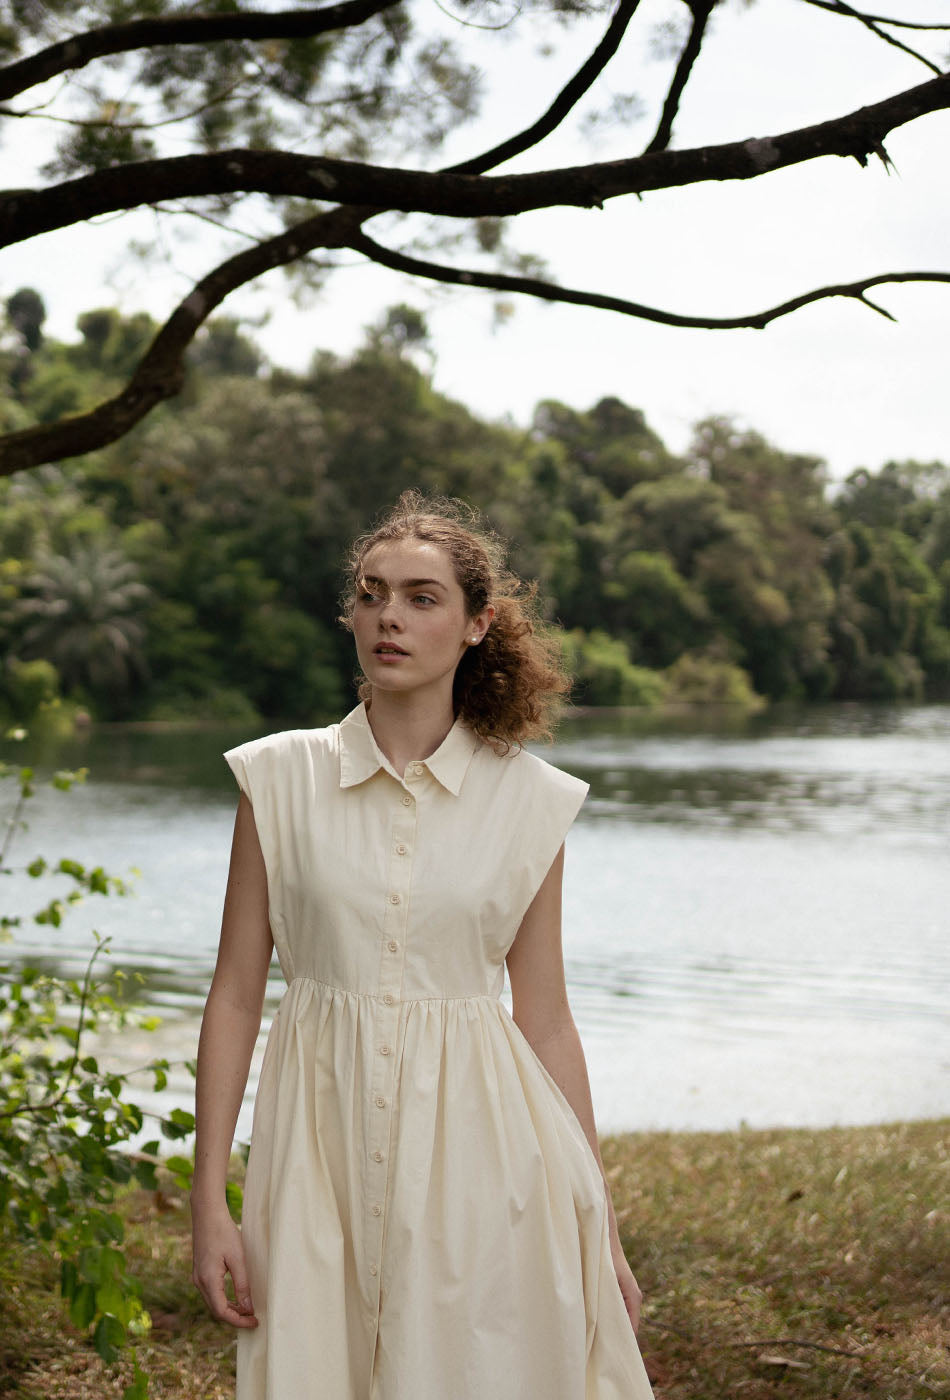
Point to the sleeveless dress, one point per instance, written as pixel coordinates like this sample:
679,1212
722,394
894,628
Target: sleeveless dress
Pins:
424,1218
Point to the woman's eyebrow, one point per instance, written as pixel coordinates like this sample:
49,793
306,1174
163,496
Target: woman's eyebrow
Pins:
406,583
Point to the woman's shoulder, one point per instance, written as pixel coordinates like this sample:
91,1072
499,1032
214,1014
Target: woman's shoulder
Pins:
530,773
284,745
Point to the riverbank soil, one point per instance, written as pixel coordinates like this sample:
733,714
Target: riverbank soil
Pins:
799,1264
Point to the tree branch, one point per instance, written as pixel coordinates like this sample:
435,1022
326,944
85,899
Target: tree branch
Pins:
836,8
871,22
701,11
160,373
550,291
103,123
192,29
581,83
26,213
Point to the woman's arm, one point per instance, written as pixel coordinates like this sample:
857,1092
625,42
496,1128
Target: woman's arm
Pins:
229,1030
542,1013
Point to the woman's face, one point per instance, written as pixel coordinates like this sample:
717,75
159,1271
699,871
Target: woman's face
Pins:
409,622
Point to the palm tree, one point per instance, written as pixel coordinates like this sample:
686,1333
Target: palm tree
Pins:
80,611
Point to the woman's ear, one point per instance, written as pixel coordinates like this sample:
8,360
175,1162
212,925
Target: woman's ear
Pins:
480,625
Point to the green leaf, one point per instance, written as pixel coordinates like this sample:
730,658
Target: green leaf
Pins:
68,1279
108,1337
111,1299
145,1175
36,867
178,1124
182,1169
82,1309
64,779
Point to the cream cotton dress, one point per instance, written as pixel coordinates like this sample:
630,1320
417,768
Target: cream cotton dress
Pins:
424,1218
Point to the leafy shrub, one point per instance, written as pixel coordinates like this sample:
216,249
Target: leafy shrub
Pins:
63,1118
604,674
698,678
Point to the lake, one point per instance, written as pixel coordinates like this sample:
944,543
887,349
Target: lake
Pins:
756,911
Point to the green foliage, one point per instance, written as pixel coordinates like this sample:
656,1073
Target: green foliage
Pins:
193,569
604,674
65,1118
80,611
698,678
385,86
28,687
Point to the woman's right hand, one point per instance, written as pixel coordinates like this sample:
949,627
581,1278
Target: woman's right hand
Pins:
218,1250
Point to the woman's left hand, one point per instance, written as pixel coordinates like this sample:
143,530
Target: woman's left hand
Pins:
632,1296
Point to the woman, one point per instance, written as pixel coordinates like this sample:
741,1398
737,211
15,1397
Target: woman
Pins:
426,1216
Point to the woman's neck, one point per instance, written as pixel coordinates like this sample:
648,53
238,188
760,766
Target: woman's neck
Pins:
408,727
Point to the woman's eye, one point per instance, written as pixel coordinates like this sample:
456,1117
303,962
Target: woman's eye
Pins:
367,597
423,598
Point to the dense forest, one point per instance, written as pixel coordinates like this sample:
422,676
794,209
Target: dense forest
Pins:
193,569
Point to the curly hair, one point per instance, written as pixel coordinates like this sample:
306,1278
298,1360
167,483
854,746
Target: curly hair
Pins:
509,688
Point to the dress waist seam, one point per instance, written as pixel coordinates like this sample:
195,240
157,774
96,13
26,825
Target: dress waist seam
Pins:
380,996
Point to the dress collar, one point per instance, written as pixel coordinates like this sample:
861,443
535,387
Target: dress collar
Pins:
361,757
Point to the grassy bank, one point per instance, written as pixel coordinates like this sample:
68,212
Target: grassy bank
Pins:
785,1263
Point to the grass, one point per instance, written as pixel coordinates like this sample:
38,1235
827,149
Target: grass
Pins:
792,1264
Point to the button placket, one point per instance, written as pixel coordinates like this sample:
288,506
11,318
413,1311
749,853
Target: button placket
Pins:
386,1020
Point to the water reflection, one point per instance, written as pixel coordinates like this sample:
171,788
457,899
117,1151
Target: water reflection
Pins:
852,771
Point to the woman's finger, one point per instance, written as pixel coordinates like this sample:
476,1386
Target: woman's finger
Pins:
242,1291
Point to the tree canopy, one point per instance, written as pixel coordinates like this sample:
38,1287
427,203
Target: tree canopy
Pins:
192,569
298,130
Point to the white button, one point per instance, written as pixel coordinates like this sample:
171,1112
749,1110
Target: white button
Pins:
392,945
388,998
407,801
377,1156
416,768
385,1050
380,1101
394,899
401,849
372,1269
377,1210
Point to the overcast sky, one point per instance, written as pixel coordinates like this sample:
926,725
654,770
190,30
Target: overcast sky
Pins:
834,380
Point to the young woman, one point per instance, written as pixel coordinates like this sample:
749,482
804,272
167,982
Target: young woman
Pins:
425,1216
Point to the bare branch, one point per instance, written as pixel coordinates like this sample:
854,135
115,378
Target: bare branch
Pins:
581,83
179,29
103,123
701,10
550,291
25,213
160,374
838,7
